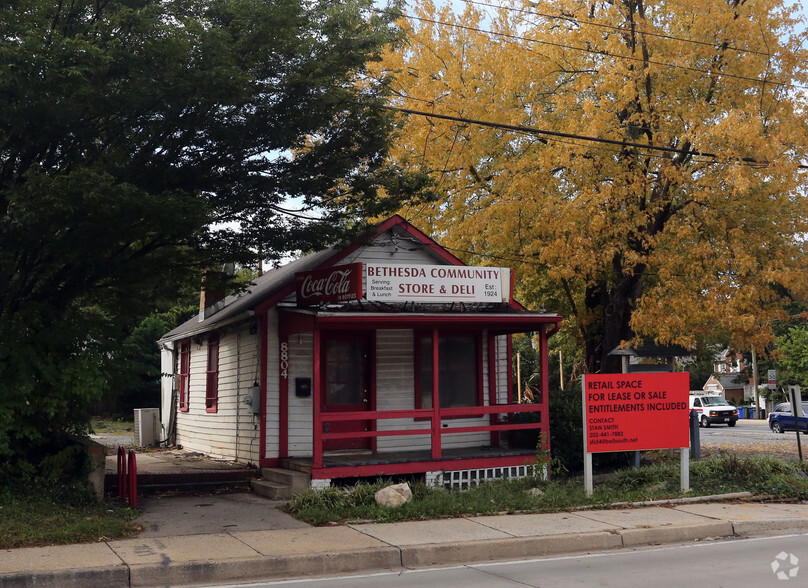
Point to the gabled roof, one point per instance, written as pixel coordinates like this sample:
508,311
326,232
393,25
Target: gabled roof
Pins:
735,380
728,381
275,285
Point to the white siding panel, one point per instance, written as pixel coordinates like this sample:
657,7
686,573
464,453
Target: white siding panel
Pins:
503,369
400,249
230,433
272,407
300,409
395,390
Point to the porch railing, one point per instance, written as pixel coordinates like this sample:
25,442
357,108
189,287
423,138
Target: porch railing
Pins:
433,416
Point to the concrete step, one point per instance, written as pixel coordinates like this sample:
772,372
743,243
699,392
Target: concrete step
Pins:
298,465
271,490
154,483
298,481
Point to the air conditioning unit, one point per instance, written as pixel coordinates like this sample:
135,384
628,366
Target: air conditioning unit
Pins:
147,427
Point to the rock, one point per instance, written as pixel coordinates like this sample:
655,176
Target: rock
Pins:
535,492
394,495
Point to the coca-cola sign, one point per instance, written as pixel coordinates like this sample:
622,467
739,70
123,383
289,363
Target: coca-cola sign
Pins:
334,284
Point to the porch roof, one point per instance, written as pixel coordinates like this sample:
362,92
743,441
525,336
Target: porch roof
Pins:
294,320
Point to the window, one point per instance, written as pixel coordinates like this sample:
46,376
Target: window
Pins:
184,375
458,371
212,375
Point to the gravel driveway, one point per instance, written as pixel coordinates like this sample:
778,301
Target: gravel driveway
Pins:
750,438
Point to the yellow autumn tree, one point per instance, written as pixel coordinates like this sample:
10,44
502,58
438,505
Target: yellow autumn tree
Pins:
637,161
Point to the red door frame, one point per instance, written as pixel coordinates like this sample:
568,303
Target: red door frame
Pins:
367,340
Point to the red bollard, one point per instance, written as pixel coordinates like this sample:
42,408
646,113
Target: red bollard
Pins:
132,479
123,486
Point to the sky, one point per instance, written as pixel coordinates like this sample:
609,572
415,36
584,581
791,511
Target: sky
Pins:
459,5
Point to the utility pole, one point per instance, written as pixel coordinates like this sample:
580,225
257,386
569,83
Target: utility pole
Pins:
755,382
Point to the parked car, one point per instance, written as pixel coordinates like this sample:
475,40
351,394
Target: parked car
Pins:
714,409
782,419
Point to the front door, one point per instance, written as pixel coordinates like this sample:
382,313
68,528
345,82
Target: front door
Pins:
347,380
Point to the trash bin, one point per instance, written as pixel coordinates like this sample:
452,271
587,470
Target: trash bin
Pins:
740,411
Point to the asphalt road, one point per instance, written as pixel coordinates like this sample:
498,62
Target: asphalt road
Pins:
749,438
739,563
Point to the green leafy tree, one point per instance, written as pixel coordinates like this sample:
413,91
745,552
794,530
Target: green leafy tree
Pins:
143,140
793,347
134,369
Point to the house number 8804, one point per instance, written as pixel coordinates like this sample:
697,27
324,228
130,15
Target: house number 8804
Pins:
284,360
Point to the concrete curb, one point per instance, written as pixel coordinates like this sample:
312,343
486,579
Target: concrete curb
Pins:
748,527
414,556
265,567
111,577
659,535
387,557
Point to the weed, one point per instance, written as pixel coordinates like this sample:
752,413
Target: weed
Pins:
28,521
725,474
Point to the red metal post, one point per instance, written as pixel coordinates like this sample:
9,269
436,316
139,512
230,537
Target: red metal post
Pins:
122,483
132,479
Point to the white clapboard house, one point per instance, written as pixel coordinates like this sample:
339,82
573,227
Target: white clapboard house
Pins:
386,357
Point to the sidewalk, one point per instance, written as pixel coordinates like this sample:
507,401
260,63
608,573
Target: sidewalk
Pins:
241,556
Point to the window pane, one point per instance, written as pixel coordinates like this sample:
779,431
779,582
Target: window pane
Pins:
457,371
426,372
345,374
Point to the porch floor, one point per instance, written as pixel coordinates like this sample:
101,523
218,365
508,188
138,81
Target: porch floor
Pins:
334,459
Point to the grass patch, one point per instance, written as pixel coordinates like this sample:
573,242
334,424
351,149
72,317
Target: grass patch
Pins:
759,475
112,426
38,521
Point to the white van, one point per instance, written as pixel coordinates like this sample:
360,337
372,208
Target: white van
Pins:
713,409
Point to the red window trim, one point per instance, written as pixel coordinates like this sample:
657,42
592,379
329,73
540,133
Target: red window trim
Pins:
212,375
478,380
184,376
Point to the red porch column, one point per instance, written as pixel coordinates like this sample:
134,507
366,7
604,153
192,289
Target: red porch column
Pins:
544,353
316,393
436,440
492,384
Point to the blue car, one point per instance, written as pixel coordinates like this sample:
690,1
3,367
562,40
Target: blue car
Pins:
781,419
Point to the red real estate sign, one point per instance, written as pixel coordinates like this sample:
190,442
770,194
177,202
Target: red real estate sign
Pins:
635,412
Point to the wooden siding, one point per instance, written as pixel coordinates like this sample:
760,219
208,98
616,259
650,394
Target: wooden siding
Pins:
300,409
382,250
213,433
503,370
272,407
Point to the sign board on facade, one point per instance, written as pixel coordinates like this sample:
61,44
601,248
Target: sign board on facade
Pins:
635,412
340,283
437,283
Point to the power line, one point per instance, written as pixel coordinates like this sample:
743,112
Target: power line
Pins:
549,133
596,51
648,33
